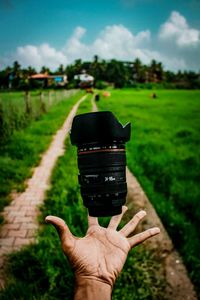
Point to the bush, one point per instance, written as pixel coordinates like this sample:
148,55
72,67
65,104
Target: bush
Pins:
101,85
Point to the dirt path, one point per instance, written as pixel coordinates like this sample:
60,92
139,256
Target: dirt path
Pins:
178,284
21,215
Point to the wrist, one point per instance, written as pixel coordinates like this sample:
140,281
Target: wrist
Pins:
89,288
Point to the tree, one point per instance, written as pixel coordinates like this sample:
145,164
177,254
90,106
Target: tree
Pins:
116,73
160,72
139,71
137,67
5,77
95,68
78,66
31,71
15,75
96,59
169,76
61,70
155,71
70,71
16,68
45,70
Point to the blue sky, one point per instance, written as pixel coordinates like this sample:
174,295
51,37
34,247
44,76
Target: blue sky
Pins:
59,31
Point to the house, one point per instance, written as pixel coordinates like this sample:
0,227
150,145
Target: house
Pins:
84,80
46,80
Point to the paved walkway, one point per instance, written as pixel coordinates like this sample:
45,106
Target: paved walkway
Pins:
21,215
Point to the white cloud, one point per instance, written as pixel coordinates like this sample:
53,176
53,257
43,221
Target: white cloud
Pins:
79,32
119,42
179,43
177,29
113,42
74,48
39,56
170,47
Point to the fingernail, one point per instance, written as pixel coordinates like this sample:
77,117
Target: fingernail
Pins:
124,207
47,219
142,213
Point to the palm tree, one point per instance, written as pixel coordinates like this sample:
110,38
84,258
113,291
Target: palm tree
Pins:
116,73
160,71
156,71
16,74
45,70
78,66
31,71
152,71
137,70
16,67
61,70
96,59
5,77
95,68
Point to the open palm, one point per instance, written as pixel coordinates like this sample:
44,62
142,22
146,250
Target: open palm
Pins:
102,253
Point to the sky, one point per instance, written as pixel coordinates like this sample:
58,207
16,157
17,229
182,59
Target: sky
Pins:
54,32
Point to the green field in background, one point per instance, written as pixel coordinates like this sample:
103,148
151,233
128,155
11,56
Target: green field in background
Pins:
164,155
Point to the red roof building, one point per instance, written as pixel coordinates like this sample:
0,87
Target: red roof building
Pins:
48,80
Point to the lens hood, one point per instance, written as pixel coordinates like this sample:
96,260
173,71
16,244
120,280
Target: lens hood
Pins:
98,127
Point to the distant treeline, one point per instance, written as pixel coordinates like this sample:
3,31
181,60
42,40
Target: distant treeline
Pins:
113,72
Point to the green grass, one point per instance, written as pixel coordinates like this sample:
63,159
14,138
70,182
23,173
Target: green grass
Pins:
164,154
46,272
22,152
17,113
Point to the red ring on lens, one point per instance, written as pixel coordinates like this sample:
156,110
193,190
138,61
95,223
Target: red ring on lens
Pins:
101,150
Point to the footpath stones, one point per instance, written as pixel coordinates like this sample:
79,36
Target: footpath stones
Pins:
20,216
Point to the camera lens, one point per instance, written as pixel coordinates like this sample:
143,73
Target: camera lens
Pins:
100,139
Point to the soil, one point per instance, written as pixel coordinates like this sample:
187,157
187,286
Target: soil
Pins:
178,284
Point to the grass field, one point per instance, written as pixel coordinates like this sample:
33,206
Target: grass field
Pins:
17,110
46,272
22,151
164,155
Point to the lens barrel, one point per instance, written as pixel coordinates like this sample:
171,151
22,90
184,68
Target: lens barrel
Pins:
100,139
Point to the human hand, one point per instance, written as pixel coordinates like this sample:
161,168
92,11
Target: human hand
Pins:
101,254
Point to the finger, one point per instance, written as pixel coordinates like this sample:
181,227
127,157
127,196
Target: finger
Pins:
115,220
131,225
143,236
92,221
62,229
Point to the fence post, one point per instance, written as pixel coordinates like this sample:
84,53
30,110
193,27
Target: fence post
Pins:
27,103
42,103
49,98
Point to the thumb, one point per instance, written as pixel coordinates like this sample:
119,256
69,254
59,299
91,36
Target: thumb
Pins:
62,229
